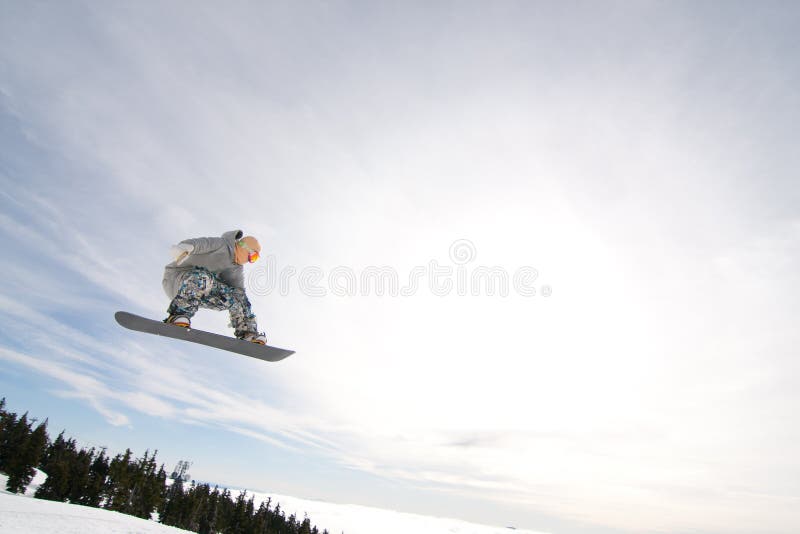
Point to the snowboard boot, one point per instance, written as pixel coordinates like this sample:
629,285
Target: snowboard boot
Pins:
178,320
254,337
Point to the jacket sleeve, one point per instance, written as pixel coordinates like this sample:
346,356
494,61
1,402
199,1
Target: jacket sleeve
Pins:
205,245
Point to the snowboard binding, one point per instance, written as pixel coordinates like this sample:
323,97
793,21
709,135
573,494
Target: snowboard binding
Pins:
179,320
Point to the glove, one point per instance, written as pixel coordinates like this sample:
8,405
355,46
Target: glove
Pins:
181,251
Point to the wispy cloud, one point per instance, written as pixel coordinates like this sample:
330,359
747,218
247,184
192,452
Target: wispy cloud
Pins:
111,388
646,169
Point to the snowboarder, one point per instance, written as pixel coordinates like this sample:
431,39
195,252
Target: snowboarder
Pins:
208,272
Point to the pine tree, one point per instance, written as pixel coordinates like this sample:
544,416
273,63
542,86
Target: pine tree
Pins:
4,421
8,422
239,517
190,507
98,473
208,523
260,519
133,487
292,524
35,449
56,464
22,451
305,526
225,516
80,466
120,483
198,509
147,487
157,483
169,512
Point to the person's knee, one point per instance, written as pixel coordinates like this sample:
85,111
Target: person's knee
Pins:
199,282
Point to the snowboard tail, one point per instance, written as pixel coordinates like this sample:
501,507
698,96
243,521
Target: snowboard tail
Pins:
230,344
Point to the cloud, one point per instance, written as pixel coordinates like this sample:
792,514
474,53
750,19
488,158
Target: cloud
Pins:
83,387
113,388
623,166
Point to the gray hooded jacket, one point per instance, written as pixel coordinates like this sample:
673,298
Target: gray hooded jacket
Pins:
215,254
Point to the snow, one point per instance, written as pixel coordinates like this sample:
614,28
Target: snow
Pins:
22,514
357,519
38,480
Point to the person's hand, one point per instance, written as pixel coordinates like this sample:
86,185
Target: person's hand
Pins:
181,251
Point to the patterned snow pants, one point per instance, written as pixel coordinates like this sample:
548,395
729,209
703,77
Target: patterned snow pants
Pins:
200,288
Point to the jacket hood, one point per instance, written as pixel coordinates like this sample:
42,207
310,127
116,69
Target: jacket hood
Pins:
233,235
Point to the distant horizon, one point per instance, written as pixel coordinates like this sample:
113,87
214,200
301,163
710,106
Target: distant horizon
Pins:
260,494
294,506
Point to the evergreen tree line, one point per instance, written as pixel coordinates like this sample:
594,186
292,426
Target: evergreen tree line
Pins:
134,486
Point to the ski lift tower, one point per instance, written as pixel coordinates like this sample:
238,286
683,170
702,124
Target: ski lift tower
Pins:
181,471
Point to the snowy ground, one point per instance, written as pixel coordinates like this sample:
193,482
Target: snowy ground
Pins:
22,514
355,519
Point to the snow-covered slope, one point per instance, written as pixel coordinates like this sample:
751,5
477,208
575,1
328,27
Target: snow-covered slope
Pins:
356,519
24,515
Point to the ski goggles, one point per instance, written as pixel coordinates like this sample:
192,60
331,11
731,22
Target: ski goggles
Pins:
252,255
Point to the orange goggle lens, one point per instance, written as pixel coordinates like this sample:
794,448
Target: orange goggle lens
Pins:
252,257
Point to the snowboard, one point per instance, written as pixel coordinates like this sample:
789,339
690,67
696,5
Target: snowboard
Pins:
230,344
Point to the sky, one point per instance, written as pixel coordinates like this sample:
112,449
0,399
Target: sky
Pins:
590,208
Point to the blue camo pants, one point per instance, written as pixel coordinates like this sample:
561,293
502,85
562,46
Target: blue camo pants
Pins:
200,288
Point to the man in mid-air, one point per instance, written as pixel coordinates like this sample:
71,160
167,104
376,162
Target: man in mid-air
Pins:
208,272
